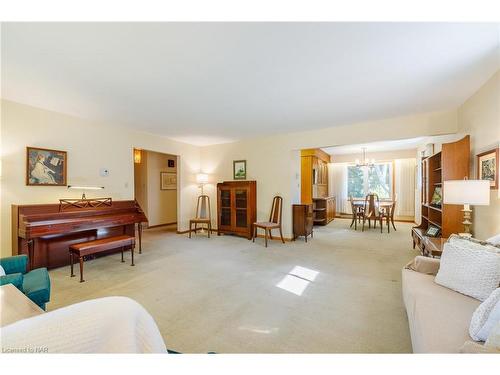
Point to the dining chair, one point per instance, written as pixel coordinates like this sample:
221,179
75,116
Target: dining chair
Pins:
371,211
203,215
391,212
273,223
357,213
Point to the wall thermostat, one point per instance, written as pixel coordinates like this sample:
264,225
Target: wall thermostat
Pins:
104,172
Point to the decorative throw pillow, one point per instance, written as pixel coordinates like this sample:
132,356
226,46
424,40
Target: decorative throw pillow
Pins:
484,318
2,271
494,338
469,268
495,240
472,243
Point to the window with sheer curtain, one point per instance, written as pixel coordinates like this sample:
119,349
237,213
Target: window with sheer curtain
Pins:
364,180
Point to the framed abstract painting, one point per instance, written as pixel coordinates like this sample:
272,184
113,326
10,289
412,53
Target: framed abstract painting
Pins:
46,167
487,167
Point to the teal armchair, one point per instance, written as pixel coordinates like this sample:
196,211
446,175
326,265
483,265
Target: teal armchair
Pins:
34,284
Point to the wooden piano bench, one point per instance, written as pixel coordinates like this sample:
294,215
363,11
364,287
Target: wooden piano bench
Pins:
98,246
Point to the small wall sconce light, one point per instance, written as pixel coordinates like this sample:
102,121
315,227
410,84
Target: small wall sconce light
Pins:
202,179
137,155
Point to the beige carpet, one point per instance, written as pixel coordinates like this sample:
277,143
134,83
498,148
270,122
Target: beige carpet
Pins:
220,294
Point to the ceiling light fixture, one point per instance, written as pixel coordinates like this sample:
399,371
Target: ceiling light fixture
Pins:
364,161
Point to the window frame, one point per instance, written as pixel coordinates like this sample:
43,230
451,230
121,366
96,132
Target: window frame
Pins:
366,187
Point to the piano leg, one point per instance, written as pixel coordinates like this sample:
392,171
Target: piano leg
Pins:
139,230
31,254
132,253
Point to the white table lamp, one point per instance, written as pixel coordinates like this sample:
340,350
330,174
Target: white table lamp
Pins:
469,193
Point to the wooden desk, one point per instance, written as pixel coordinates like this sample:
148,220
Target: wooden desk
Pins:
15,305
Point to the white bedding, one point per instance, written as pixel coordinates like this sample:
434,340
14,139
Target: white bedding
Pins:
104,325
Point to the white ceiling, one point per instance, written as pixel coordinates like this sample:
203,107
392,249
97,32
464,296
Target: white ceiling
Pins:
206,83
400,144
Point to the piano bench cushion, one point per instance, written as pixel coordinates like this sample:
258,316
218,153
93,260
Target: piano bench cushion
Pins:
14,264
36,286
15,279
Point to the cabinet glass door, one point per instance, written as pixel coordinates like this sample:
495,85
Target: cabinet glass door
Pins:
241,198
225,203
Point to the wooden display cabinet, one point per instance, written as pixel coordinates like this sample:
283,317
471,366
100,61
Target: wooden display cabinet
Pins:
324,210
236,207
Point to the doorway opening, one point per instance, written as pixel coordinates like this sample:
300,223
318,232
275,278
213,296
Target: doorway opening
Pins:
156,188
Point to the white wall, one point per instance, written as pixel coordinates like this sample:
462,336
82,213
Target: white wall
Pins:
479,116
274,160
162,204
90,146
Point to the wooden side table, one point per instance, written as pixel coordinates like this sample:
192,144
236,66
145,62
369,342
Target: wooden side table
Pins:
15,305
433,246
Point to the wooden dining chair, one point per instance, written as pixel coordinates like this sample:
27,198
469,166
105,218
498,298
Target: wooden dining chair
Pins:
203,215
371,211
390,216
273,223
357,213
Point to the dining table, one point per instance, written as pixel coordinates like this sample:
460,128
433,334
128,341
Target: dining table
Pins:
385,205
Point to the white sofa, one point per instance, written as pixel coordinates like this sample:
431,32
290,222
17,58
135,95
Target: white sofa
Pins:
103,325
438,317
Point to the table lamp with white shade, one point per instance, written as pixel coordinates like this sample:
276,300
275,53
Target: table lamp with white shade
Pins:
469,193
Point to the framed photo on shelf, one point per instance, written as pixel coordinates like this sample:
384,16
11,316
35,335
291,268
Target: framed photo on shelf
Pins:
487,167
432,231
46,167
239,169
168,181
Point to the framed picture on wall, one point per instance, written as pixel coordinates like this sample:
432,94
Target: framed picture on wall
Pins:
168,181
239,169
487,167
46,167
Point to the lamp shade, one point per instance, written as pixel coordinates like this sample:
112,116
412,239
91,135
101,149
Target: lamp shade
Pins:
473,192
202,178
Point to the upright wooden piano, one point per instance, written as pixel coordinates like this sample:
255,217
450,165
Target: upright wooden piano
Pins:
44,232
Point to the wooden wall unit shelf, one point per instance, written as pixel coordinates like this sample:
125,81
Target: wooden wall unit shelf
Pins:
451,163
314,174
236,207
324,210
